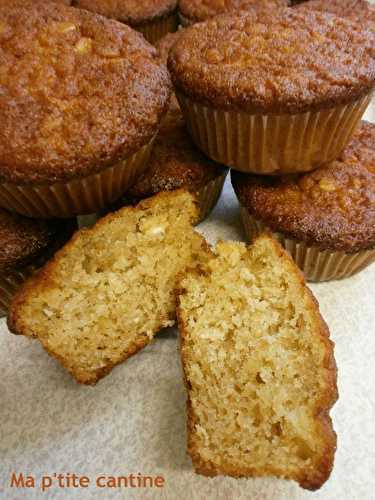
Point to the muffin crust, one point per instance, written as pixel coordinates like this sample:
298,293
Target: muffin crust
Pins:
79,93
131,12
331,208
201,10
357,10
175,162
23,240
275,61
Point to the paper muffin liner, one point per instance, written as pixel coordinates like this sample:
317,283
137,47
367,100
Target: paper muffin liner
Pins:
317,265
272,144
154,30
209,195
82,196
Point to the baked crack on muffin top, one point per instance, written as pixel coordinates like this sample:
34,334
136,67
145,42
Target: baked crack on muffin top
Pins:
332,208
133,12
275,61
201,10
78,93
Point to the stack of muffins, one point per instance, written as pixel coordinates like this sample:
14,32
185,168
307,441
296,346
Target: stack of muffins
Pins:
276,93
83,98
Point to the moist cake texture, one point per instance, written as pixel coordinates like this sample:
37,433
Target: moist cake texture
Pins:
111,289
259,367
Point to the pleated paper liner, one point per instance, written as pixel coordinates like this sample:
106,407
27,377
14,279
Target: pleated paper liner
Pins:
207,197
317,265
82,196
154,30
272,144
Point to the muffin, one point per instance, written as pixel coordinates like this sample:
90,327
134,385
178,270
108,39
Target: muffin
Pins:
194,11
259,367
325,218
110,290
82,99
25,245
176,163
357,10
274,91
153,18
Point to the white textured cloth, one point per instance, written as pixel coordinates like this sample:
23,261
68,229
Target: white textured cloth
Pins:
134,419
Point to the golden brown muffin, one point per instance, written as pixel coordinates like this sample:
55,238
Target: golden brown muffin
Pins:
259,367
193,11
82,98
111,288
326,218
25,245
154,18
357,10
265,91
176,163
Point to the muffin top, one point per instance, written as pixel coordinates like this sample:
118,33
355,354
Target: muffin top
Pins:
175,162
332,207
78,93
132,12
275,61
23,240
358,10
201,10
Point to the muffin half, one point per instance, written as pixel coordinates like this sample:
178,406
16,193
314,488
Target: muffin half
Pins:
326,218
82,99
195,11
274,91
153,18
25,245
